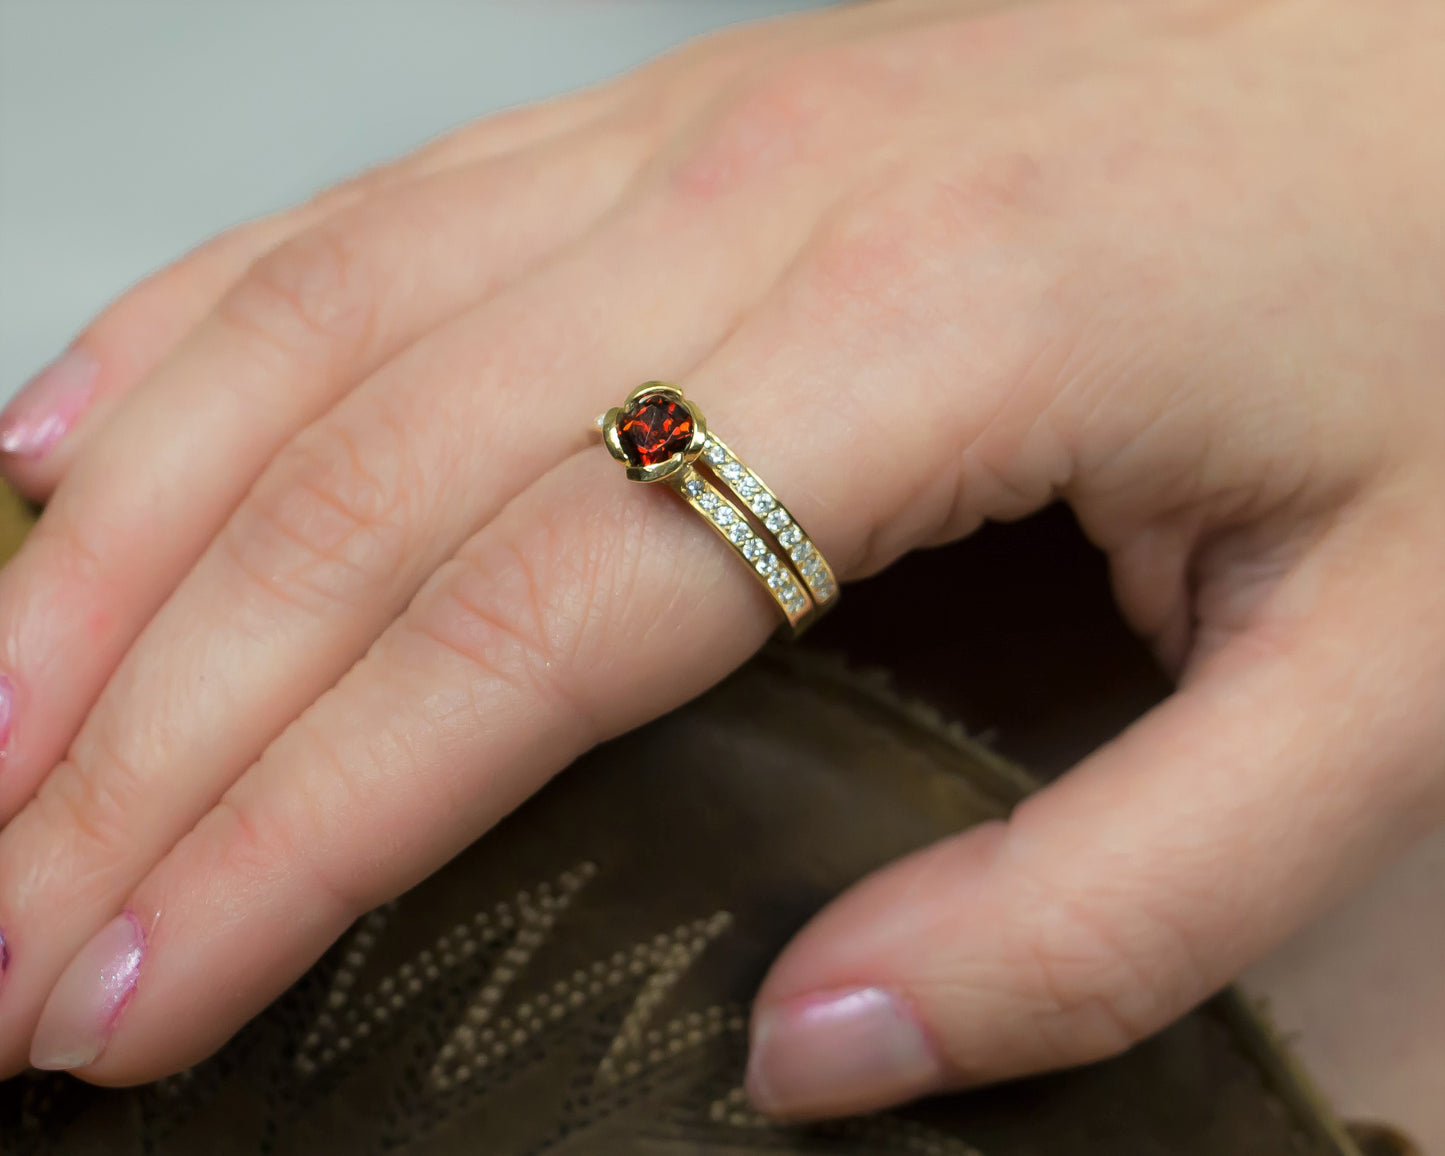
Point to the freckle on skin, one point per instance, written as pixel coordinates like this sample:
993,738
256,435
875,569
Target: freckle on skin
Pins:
97,624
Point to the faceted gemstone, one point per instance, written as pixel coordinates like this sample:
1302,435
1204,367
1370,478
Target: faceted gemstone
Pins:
653,428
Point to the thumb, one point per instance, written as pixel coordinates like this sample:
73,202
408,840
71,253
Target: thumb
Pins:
1300,753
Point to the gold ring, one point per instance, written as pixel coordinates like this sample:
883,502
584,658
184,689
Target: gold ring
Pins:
661,436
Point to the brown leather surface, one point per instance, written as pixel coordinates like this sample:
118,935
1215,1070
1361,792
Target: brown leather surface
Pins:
1013,631
577,981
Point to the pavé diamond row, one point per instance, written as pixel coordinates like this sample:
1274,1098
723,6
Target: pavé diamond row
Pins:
749,489
730,522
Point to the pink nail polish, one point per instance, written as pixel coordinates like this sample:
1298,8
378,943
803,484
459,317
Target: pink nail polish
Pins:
838,1054
90,995
49,406
7,713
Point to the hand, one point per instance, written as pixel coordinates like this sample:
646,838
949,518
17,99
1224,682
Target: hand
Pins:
332,578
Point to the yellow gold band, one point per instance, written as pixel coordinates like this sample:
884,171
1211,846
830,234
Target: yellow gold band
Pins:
661,436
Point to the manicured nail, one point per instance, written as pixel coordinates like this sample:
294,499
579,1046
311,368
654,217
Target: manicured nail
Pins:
46,409
7,713
839,1054
88,998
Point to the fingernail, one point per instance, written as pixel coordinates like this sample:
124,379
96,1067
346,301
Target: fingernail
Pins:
45,410
839,1054
7,713
88,998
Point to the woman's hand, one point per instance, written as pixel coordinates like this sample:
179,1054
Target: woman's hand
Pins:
332,577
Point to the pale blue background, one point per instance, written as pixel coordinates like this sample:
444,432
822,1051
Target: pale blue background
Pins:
130,129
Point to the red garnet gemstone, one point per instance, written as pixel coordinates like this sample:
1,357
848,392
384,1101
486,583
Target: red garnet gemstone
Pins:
653,428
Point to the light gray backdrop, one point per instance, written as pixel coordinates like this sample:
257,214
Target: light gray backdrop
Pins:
130,129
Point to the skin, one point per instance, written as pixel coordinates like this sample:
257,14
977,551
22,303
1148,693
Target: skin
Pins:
924,263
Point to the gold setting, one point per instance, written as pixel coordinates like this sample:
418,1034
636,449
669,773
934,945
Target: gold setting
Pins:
740,508
662,470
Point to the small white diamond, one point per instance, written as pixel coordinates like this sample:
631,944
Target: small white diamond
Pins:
801,552
825,588
767,563
776,520
778,578
762,504
694,486
716,454
747,486
708,501
813,571
731,471
791,536
755,548
740,533
723,515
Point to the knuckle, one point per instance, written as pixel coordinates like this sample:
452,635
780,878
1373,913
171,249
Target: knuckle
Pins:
81,550
866,252
900,229
328,523
910,228
260,842
1079,993
86,807
1099,990
1003,187
349,193
310,294
767,120
520,611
